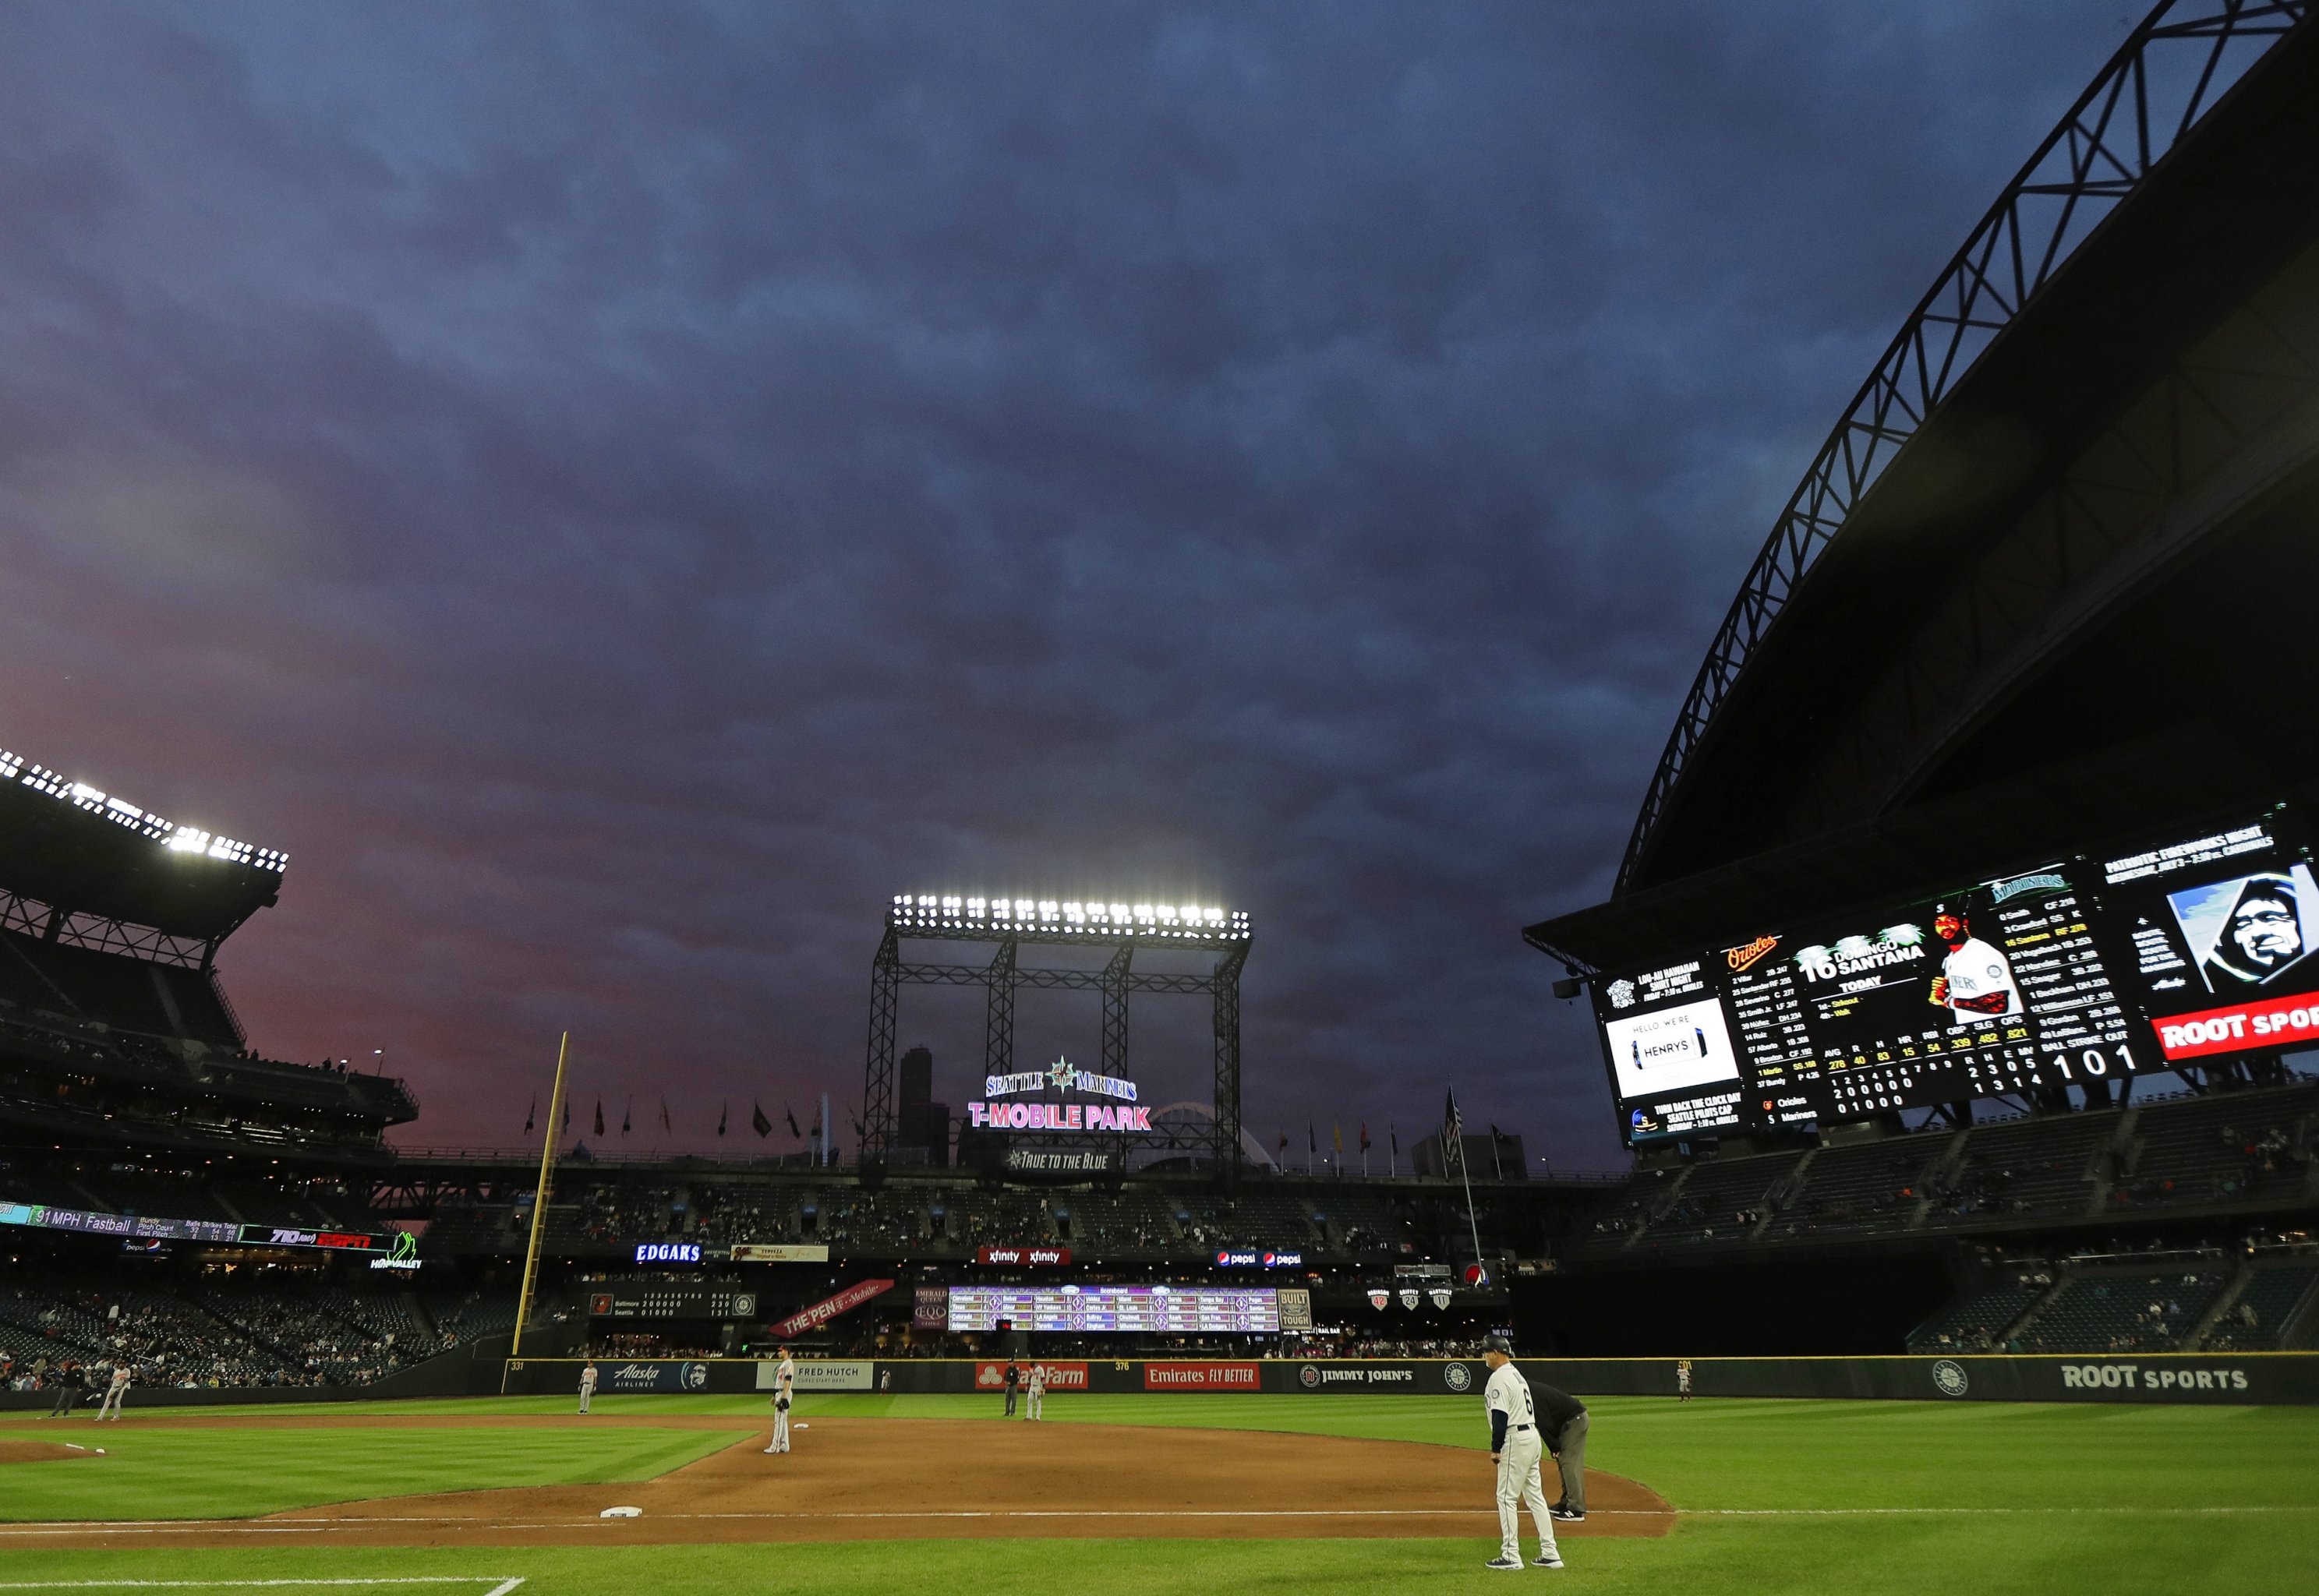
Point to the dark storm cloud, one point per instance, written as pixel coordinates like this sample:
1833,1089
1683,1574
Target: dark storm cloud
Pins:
618,491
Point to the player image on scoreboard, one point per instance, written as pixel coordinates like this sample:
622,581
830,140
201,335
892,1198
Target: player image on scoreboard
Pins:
1976,980
2251,934
1671,1049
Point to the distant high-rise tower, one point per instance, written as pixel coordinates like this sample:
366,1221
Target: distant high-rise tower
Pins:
920,1122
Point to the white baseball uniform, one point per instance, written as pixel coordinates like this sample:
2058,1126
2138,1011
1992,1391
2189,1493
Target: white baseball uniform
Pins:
1980,973
1035,1389
587,1386
114,1394
1508,1393
784,1394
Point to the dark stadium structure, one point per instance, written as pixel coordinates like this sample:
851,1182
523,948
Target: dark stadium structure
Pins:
2025,626
2020,625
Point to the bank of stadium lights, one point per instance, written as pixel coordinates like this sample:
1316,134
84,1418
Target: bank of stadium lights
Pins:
930,912
175,838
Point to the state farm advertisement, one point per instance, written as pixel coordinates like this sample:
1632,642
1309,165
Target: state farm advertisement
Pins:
1060,1376
1041,1256
822,1312
1201,1376
2277,1022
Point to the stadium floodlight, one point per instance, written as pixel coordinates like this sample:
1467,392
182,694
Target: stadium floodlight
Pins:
174,838
930,914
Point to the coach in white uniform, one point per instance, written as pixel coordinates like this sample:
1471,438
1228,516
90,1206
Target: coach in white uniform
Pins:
1514,1446
784,1394
587,1383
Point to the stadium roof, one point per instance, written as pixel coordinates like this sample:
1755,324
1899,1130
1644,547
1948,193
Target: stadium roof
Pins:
2021,459
71,847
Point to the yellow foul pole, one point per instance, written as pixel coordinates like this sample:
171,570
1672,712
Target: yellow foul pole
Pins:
539,1201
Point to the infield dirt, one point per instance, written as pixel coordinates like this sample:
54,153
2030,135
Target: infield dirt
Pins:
876,1479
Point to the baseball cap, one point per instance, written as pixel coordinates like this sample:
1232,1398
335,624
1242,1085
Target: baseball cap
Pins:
1497,1344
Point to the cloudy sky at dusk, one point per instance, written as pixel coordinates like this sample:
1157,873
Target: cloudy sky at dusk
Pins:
618,492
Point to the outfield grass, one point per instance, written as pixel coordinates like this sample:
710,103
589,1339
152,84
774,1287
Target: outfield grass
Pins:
1779,1496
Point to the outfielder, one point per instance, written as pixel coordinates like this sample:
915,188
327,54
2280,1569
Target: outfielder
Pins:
587,1383
784,1394
114,1394
1514,1446
1034,1390
1682,1379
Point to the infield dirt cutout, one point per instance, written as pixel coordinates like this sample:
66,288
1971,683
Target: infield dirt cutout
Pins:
17,1451
884,1479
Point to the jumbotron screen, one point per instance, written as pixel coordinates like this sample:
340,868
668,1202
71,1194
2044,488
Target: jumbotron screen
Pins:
1129,1309
2087,970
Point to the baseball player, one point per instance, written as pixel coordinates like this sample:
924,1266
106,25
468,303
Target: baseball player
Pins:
1682,1379
113,1392
587,1383
1514,1447
784,1397
1034,1390
1013,1384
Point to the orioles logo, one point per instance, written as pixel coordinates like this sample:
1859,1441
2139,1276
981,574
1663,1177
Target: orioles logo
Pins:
1741,958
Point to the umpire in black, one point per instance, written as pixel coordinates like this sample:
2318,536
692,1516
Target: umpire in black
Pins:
1562,1425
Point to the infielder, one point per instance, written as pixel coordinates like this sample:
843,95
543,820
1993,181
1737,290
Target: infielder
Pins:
784,1394
1514,1447
114,1394
1034,1390
587,1383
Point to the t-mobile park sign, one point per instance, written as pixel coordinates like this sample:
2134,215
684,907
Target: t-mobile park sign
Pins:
1061,1075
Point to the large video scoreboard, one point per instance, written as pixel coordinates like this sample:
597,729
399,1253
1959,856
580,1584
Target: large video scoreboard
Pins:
2089,969
1175,1310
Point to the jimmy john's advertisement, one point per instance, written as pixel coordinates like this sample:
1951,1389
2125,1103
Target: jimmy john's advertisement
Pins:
2218,934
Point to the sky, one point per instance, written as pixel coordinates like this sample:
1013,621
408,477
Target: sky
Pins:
618,493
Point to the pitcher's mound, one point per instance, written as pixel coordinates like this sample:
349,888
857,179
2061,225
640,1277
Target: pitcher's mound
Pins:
39,1451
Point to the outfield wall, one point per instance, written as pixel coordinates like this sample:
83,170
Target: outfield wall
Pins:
2210,1378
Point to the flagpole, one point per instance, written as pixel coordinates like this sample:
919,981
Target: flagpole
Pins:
1465,1173
539,1208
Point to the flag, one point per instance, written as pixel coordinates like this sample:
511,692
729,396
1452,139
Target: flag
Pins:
1312,1139
599,1116
663,1113
628,1117
723,1113
1337,1135
1284,1141
1394,1131
531,1113
1453,1134
1364,1135
758,1121
790,1115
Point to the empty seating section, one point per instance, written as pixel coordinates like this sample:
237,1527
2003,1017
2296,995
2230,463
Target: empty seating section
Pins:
2124,1310
2025,1166
2219,1149
1978,1321
1723,1200
2274,1299
1869,1186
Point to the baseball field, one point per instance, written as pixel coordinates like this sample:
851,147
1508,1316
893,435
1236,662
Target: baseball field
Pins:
1136,1494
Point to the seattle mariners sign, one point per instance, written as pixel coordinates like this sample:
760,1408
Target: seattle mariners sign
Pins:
1061,1075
